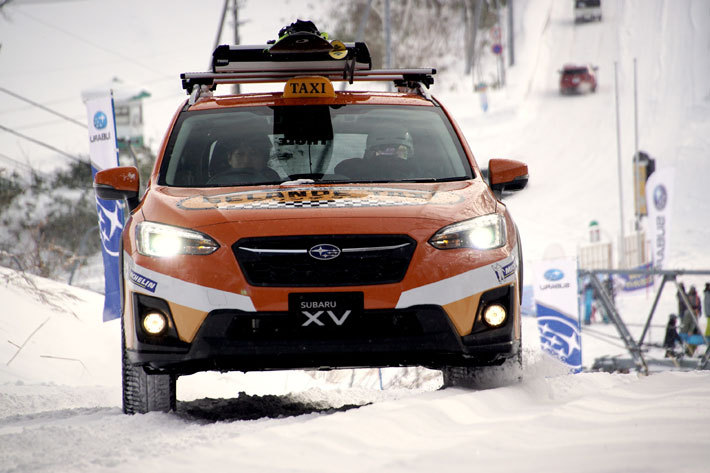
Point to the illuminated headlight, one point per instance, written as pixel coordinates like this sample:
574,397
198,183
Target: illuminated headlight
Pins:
154,323
157,239
482,233
494,315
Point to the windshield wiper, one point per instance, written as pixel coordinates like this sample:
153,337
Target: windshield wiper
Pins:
435,179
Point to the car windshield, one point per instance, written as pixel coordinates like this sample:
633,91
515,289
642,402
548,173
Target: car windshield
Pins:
575,72
320,143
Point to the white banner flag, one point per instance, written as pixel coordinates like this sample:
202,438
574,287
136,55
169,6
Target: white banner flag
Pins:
104,155
102,132
659,202
557,310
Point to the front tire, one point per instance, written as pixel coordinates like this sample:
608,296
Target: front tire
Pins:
143,392
485,377
510,371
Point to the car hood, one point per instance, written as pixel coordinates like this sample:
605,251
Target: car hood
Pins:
201,208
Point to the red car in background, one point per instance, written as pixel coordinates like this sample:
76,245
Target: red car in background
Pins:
576,79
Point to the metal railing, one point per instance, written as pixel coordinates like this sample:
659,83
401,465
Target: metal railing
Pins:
635,347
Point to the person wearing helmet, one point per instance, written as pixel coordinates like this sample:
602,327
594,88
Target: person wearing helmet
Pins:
387,150
389,140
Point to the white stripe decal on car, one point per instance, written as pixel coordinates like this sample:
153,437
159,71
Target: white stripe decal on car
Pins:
182,292
462,285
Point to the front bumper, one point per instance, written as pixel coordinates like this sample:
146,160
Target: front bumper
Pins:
570,89
233,340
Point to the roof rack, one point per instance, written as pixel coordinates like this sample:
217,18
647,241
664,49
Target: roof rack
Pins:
254,64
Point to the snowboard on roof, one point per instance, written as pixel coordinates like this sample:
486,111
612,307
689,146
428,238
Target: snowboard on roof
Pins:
301,37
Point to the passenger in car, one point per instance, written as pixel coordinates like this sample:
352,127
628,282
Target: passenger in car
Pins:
386,153
389,141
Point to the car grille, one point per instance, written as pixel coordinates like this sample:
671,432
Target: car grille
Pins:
288,261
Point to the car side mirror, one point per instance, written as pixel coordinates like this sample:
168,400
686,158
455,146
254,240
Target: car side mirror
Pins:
507,175
118,183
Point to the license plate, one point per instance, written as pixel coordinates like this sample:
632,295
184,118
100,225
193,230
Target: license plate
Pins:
325,309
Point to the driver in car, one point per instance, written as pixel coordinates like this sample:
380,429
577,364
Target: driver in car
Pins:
251,158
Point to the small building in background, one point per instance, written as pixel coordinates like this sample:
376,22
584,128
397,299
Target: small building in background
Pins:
597,252
128,110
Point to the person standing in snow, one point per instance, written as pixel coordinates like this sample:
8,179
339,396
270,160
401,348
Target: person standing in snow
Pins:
679,295
588,300
706,308
610,289
694,300
672,338
697,307
611,292
689,331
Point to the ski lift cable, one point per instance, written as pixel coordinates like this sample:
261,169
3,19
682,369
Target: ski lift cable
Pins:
25,166
93,44
46,109
41,143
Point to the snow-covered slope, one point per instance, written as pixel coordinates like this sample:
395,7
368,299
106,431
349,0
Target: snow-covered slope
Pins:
60,414
570,142
60,410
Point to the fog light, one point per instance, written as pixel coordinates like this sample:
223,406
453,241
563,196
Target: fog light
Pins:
494,315
154,323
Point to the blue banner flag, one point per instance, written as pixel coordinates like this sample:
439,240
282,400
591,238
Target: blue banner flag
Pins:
558,310
104,155
633,282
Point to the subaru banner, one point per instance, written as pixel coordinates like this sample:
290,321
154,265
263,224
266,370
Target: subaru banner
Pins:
104,154
557,310
633,282
659,198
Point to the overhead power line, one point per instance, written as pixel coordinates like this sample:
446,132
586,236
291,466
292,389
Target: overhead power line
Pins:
46,109
41,143
26,167
94,44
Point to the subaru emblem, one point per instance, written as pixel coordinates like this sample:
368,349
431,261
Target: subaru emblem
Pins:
100,120
660,197
324,251
554,274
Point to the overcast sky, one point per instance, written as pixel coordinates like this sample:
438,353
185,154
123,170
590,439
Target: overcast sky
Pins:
53,50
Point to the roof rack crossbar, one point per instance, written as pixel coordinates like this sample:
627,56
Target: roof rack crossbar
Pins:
212,79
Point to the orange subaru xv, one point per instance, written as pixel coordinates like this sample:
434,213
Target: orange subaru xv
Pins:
314,228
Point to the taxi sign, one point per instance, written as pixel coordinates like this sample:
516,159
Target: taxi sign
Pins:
311,86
